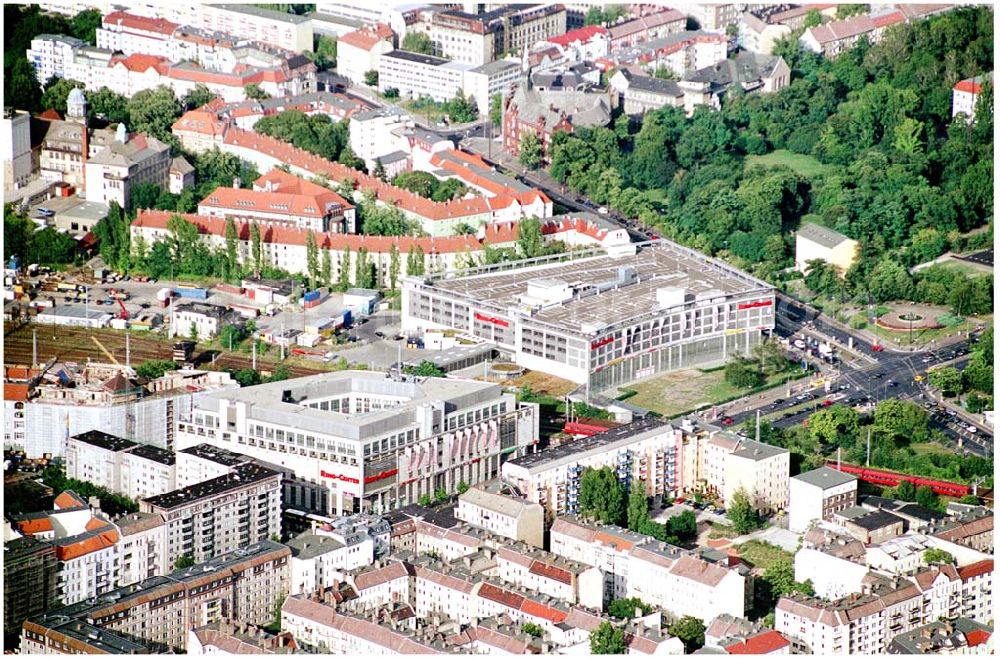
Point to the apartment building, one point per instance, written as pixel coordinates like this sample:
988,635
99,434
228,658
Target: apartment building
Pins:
495,507
30,579
480,38
761,471
604,547
758,35
482,83
548,112
200,321
833,38
717,17
220,515
416,75
120,465
965,95
277,28
374,443
583,44
813,242
905,553
18,160
319,560
646,28
834,568
959,636
646,450
817,495
67,145
131,34
155,615
49,54
238,638
361,51
546,573
969,528
637,94
143,547
867,622
372,134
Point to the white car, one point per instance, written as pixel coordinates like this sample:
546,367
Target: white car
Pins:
971,428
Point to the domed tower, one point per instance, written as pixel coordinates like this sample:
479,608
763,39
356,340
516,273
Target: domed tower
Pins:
76,106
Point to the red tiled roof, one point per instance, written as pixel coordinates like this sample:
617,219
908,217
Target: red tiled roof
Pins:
95,523
277,180
50,115
68,499
140,63
238,201
539,610
446,160
969,86
13,391
975,569
583,35
157,219
33,526
18,373
157,25
200,121
886,20
366,38
551,572
769,641
87,546
977,637
501,596
612,540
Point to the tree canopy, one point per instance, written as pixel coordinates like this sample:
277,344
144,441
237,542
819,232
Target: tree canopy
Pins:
602,496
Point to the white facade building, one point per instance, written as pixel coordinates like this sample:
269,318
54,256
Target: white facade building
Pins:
817,495
50,54
374,442
204,321
965,95
143,547
126,162
361,51
503,514
120,465
319,561
15,148
684,585
281,29
416,75
832,576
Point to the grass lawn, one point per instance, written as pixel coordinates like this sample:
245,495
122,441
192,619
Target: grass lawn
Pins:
967,269
681,392
803,165
923,337
762,554
721,531
930,448
429,111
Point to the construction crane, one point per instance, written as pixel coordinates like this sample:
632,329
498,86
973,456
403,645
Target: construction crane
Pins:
105,351
124,314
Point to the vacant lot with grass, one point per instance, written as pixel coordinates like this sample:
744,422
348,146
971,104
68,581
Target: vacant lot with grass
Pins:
801,164
681,392
762,554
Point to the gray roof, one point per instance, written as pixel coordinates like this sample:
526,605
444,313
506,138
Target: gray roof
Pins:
604,442
498,503
938,637
71,41
652,84
758,451
745,68
825,478
75,311
559,80
822,235
877,520
137,149
86,210
310,545
419,58
496,66
581,108
179,164
266,13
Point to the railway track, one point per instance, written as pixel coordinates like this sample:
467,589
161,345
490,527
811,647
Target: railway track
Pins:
74,344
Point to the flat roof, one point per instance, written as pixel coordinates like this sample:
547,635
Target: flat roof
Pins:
241,476
154,453
105,441
216,311
75,311
310,545
218,455
85,210
658,264
603,442
449,356
825,478
753,450
265,13
821,235
878,519
419,58
267,403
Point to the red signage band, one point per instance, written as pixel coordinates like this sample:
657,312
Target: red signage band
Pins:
339,477
380,476
754,305
603,342
491,319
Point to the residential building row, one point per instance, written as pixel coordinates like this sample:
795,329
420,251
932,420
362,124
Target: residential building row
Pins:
156,615
833,38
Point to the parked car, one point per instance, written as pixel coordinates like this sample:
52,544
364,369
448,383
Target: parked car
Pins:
45,212
878,348
727,420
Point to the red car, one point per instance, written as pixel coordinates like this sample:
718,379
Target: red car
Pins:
827,403
727,420
878,348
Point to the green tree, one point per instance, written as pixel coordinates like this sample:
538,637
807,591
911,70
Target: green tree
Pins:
813,18
847,10
901,419
232,247
183,562
426,369
607,639
418,182
691,631
107,105
84,25
344,281
415,261
23,92
247,377
198,97
935,556
530,150
326,52
905,491
462,487
312,259
602,496
231,336
256,249
947,380
908,136
17,231
154,368
326,269
821,277
448,190
742,513
530,241
418,42
626,608
837,425
425,500
532,630
57,91
253,91
742,372
683,526
153,111
193,332
638,507
371,78
496,109
927,498
393,266
50,246
771,356
970,499
440,495
363,267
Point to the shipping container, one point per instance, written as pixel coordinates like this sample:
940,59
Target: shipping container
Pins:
229,288
164,294
191,292
245,310
310,296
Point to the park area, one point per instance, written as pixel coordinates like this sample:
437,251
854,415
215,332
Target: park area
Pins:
801,164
